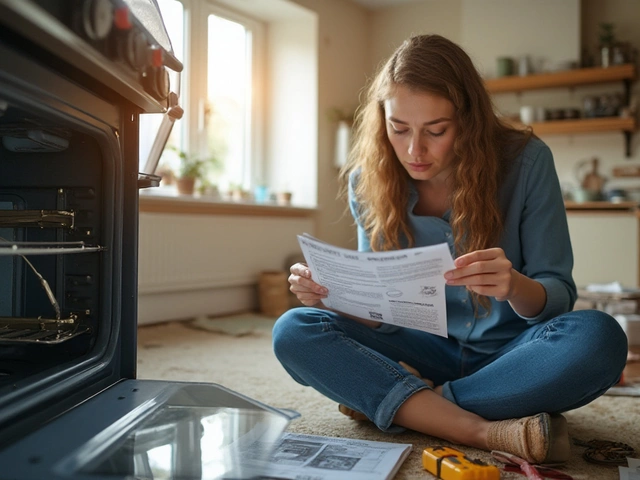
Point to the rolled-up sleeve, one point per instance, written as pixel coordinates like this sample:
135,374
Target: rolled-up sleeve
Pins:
547,256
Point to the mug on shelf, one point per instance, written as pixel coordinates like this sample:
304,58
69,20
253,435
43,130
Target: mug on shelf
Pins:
527,114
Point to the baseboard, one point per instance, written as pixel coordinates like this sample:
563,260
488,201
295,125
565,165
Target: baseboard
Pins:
183,305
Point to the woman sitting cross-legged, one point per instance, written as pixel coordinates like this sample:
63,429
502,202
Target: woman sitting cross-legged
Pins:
433,163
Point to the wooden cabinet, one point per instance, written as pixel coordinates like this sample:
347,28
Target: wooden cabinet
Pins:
571,79
611,253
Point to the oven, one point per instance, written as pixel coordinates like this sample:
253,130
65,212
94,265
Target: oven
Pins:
75,77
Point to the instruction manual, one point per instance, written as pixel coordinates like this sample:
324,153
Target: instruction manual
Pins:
400,287
298,456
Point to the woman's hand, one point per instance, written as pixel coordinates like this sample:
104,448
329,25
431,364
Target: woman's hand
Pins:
308,292
486,272
490,273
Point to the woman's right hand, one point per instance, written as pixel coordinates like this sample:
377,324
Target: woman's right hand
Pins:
308,292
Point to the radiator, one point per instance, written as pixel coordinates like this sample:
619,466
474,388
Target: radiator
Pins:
192,265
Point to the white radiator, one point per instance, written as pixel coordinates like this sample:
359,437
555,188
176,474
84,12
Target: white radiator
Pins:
192,265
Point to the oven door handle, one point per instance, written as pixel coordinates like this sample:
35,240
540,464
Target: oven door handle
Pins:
146,180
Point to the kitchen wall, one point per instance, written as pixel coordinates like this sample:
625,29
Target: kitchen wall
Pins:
351,42
343,67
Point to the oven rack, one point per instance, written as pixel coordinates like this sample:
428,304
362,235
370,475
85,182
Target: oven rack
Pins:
40,330
37,218
46,248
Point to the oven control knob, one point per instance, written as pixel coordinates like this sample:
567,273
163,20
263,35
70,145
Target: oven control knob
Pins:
156,82
97,18
163,83
134,49
156,77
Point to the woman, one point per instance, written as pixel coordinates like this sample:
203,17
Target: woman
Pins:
432,163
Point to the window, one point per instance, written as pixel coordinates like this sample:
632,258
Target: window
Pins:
229,104
234,61
222,107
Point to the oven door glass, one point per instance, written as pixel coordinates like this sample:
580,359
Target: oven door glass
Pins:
146,429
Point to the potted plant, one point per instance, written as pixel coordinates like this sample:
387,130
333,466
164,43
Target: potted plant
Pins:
607,42
192,168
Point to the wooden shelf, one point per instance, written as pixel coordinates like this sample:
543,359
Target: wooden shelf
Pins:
585,125
601,205
566,78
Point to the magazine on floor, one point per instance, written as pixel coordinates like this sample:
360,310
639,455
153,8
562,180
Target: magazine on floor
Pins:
401,287
299,456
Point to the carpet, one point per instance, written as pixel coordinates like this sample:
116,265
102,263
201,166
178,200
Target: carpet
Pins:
184,351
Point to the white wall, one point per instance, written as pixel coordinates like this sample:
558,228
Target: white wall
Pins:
546,30
343,67
390,26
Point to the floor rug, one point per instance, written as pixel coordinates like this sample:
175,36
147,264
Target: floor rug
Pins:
246,364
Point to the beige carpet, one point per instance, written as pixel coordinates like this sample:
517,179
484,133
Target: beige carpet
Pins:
237,354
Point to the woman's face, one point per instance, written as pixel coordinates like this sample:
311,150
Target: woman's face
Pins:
421,129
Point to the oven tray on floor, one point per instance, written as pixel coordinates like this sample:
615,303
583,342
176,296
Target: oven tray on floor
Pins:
39,330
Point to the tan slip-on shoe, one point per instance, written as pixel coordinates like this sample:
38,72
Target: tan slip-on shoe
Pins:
539,439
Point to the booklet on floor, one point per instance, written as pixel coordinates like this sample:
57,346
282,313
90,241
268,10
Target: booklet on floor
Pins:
316,457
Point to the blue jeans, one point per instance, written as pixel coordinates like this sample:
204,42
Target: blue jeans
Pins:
554,366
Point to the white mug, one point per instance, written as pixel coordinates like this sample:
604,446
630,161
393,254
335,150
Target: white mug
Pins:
527,114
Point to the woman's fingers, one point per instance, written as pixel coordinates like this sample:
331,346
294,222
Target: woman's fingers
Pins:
305,289
486,272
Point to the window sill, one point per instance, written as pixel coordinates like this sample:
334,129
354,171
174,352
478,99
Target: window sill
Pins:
193,204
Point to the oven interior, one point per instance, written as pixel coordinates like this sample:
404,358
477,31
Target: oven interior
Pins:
57,229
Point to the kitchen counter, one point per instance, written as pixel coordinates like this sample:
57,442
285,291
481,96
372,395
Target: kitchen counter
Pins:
605,239
600,205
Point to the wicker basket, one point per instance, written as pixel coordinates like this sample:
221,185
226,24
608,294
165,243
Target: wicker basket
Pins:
273,292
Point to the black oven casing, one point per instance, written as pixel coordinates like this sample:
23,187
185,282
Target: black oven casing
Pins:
70,403
97,177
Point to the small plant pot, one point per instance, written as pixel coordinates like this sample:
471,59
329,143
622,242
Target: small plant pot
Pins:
186,186
283,198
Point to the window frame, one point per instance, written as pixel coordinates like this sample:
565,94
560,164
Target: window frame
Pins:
194,83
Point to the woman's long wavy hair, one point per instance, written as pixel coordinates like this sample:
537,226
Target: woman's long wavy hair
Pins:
482,149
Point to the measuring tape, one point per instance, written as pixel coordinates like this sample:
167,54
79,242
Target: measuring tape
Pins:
451,464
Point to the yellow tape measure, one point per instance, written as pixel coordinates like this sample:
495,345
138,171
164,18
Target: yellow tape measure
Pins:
451,464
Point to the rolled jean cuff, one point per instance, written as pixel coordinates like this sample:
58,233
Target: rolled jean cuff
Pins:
394,400
447,393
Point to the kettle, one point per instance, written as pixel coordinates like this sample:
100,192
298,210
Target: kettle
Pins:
589,180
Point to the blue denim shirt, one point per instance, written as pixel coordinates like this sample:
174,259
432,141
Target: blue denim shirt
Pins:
535,239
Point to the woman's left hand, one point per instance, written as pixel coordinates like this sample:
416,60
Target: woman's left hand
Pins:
486,272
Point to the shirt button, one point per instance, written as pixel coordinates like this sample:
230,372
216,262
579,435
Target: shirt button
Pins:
464,300
447,234
468,325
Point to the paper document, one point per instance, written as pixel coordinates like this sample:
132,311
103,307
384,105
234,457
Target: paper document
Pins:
401,287
298,456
